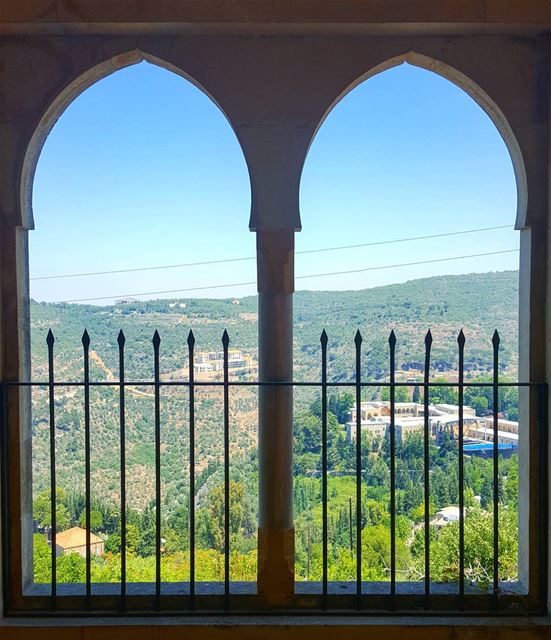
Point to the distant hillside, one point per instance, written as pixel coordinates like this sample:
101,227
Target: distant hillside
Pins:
478,303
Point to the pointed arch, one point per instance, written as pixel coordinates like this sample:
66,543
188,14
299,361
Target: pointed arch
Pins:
72,91
472,89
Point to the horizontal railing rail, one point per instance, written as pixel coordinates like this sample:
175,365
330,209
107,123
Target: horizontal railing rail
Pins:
192,596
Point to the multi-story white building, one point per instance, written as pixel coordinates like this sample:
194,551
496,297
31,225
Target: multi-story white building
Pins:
486,434
375,427
449,424
409,418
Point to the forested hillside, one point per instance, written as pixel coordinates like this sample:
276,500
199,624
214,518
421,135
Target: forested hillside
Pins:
478,303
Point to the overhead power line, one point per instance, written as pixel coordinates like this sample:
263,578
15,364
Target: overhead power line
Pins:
243,259
303,277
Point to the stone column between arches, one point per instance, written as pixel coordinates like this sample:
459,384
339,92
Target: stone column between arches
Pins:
275,153
275,267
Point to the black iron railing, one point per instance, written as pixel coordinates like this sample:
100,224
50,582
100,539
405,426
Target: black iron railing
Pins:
359,595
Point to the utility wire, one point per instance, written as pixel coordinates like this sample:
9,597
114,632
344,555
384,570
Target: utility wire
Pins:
312,275
227,260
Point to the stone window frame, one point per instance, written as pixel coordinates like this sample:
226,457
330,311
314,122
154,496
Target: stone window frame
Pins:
275,218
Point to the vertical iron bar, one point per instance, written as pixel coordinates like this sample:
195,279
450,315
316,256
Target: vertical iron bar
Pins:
358,343
308,550
225,343
426,456
495,345
191,346
392,346
53,506
460,469
541,442
323,341
350,523
6,579
87,491
122,431
156,345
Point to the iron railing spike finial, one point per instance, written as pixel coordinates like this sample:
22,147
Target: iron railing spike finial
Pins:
496,339
461,338
190,338
323,337
50,338
85,339
225,338
121,338
156,339
358,338
392,339
428,338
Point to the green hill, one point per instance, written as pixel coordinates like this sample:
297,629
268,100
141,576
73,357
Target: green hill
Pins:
478,303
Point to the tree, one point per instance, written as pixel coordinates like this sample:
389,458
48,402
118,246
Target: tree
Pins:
307,434
148,531
177,524
96,520
42,510
376,553
443,395
339,405
113,542
377,472
486,493
413,448
480,405
71,567
478,548
147,545
401,394
215,514
375,512
42,558
440,487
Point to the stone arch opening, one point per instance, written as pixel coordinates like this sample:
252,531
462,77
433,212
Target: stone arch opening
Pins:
66,96
472,89
499,121
200,136
32,159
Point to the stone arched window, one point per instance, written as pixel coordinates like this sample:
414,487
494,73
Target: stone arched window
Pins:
317,201
163,229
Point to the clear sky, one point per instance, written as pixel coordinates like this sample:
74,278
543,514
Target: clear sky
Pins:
143,170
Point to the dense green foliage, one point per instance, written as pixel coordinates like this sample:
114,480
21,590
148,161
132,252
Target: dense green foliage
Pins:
342,523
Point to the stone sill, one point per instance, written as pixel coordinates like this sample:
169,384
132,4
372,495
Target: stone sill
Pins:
249,588
279,627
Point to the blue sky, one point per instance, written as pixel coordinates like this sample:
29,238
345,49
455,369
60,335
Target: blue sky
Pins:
142,167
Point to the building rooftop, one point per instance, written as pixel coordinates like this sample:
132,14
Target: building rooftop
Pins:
75,537
500,434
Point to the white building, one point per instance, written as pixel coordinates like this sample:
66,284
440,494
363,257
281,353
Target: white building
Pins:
374,427
486,434
454,409
445,516
409,418
379,427
448,423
